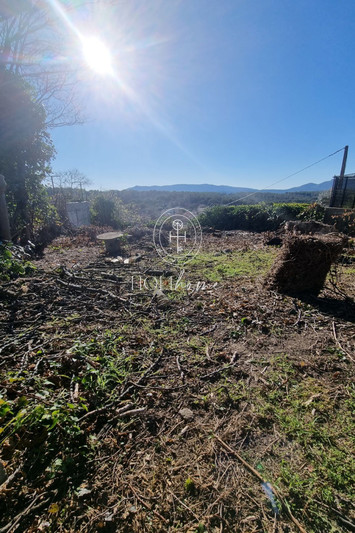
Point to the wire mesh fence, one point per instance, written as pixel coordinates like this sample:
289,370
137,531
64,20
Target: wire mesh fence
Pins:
343,191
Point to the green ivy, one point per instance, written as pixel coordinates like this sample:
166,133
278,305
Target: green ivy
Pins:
10,266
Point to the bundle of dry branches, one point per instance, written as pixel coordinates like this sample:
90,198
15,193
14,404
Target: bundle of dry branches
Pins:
304,263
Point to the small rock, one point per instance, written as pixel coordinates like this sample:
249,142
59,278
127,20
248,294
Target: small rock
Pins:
186,414
83,492
117,259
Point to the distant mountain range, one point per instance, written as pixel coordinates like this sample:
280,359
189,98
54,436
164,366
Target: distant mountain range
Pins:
227,189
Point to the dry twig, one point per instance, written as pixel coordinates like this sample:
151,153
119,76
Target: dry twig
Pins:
338,343
261,479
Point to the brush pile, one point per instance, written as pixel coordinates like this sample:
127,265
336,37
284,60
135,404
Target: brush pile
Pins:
304,263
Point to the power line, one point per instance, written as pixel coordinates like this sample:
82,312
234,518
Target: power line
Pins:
287,177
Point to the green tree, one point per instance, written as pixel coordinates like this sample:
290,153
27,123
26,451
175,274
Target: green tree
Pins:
26,151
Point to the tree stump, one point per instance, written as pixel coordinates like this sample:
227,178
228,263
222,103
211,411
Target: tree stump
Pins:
114,241
304,263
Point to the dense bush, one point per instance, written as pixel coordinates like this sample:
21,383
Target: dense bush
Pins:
313,211
261,217
104,212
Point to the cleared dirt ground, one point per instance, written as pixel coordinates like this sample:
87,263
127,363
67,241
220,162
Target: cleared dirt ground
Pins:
211,404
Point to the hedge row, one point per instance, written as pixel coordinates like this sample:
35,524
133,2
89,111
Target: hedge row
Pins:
260,217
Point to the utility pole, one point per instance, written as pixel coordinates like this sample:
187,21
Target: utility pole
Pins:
338,180
343,165
343,180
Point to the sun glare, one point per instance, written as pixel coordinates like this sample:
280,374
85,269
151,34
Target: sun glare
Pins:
97,55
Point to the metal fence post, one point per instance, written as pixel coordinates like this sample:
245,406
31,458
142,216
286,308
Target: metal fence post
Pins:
5,234
334,191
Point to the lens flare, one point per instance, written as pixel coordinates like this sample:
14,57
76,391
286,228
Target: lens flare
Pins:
97,55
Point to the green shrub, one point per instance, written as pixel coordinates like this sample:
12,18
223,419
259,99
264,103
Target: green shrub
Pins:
260,217
313,211
104,212
289,211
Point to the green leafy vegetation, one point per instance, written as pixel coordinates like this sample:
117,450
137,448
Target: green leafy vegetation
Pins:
49,418
269,217
261,217
217,267
190,486
106,211
11,266
314,211
26,151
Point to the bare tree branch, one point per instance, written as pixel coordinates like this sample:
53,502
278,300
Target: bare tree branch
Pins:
28,36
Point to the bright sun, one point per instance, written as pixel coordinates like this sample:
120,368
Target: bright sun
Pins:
97,55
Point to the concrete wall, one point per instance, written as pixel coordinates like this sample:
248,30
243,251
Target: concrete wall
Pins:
78,213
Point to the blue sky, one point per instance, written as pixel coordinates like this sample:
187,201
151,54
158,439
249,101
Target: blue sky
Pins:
233,92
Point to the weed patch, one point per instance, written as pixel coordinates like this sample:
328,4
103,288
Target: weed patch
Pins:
219,267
